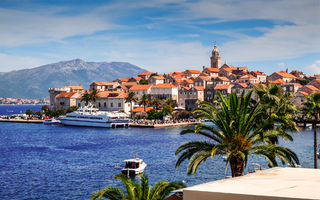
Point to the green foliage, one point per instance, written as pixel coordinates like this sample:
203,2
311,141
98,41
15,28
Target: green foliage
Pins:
170,102
141,116
156,103
29,112
184,114
94,95
131,99
38,113
311,107
72,109
86,97
144,101
152,114
167,110
143,82
58,112
137,191
154,74
237,136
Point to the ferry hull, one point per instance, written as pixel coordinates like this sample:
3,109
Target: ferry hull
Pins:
85,123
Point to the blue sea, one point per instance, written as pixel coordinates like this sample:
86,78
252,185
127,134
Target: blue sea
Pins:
60,162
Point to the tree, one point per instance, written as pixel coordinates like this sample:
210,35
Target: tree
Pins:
281,109
311,110
170,102
39,114
58,112
136,191
29,112
143,82
144,101
153,114
86,97
236,137
156,103
167,110
154,74
130,99
46,110
94,96
72,109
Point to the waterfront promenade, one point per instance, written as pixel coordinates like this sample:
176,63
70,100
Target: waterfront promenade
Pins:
133,125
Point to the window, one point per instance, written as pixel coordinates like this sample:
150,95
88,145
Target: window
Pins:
284,88
241,91
196,83
119,105
195,93
290,88
99,104
200,84
180,99
111,104
79,104
105,104
190,92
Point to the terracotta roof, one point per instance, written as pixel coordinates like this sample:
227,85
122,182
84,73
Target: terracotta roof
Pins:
243,84
177,76
186,88
136,78
100,83
189,80
130,83
213,69
283,72
141,109
222,78
145,73
158,77
177,73
66,94
108,94
247,76
304,93
76,87
278,81
286,75
311,87
178,80
221,86
164,85
199,88
140,87
194,71
258,73
206,78
204,74
123,79
227,69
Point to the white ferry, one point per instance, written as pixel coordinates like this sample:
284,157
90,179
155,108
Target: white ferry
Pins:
90,116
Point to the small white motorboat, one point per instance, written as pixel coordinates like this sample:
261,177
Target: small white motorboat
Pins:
51,121
133,166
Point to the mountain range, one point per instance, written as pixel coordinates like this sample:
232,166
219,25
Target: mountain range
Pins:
34,83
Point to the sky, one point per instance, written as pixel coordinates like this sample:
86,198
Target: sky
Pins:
162,35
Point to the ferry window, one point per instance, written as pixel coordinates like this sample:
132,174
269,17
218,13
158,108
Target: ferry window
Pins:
119,104
111,104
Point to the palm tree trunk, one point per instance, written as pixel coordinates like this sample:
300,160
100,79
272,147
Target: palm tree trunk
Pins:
315,143
237,166
131,108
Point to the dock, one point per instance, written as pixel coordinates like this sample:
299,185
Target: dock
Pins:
131,125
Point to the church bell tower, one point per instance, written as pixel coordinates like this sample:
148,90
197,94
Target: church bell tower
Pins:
215,59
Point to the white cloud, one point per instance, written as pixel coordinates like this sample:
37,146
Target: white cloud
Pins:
21,27
189,35
314,68
9,63
281,64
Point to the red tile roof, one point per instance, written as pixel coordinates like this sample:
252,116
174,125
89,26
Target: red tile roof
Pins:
123,79
286,75
164,85
206,78
76,87
304,93
145,73
199,88
158,77
100,83
213,70
223,78
243,84
136,78
66,94
140,87
278,81
247,76
221,86
176,73
311,87
194,71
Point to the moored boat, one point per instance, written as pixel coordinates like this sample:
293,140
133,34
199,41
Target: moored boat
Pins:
90,116
51,121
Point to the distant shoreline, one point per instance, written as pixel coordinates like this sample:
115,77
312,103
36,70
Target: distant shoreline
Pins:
22,104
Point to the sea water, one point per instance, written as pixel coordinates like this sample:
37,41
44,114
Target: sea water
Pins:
62,162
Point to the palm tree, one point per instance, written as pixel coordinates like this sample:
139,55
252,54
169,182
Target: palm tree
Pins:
136,191
156,102
237,138
144,101
170,102
311,110
130,99
29,112
281,109
86,97
94,96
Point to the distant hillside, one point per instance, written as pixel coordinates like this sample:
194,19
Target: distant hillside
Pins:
34,83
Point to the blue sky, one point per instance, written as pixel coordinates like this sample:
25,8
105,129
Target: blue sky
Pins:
162,36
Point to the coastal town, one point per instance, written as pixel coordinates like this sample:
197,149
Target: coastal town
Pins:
23,101
187,89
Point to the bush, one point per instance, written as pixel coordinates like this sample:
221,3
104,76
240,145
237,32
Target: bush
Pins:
72,109
142,116
152,114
